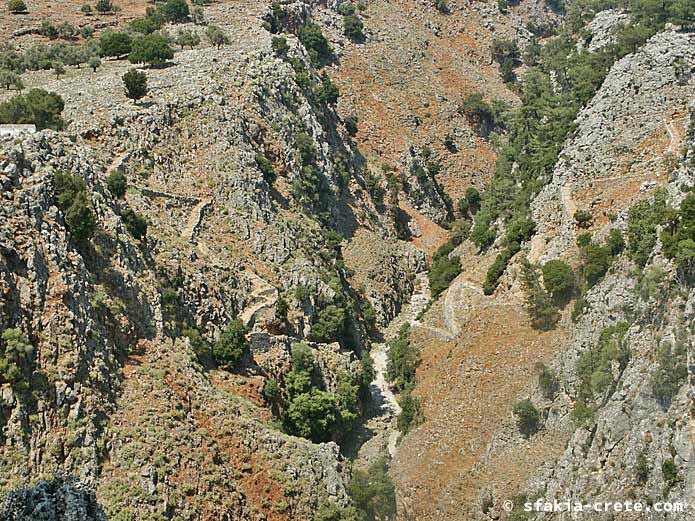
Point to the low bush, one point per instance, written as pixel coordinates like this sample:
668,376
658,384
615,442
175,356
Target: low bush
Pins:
527,417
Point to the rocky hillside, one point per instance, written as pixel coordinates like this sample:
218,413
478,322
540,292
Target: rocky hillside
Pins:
346,261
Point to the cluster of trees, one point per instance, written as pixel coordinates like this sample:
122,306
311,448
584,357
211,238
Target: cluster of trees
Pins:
677,232
333,320
403,361
671,371
16,359
40,107
353,27
308,410
316,44
595,368
73,199
228,351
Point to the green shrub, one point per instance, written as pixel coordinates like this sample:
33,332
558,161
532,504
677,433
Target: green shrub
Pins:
548,382
199,345
73,200
583,218
527,417
187,38
152,49
544,315
16,6
594,367
403,360
312,415
279,45
315,43
329,324
329,511
671,372
114,43
498,267
327,91
411,412
16,359
217,36
37,107
135,223
643,219
582,414
670,472
230,347
353,27
351,124
266,167
117,183
174,10
104,6
642,468
559,280
135,84
373,492
442,272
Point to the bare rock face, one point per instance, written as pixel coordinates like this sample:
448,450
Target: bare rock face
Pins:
604,27
59,499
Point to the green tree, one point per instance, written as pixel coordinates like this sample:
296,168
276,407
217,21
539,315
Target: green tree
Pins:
135,84
114,43
527,417
329,324
16,355
152,49
104,6
543,313
187,38
559,281
86,9
403,360
279,45
199,345
16,6
94,63
353,27
174,10
217,36
135,223
547,381
10,79
230,347
80,218
315,43
411,412
58,69
312,415
38,106
373,492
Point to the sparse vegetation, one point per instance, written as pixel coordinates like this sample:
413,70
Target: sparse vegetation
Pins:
135,223
527,417
373,492
403,361
16,359
73,200
117,183
230,347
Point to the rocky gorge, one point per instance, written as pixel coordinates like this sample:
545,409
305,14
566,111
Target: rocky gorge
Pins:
314,223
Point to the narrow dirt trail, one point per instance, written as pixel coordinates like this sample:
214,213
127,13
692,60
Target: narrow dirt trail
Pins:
195,218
